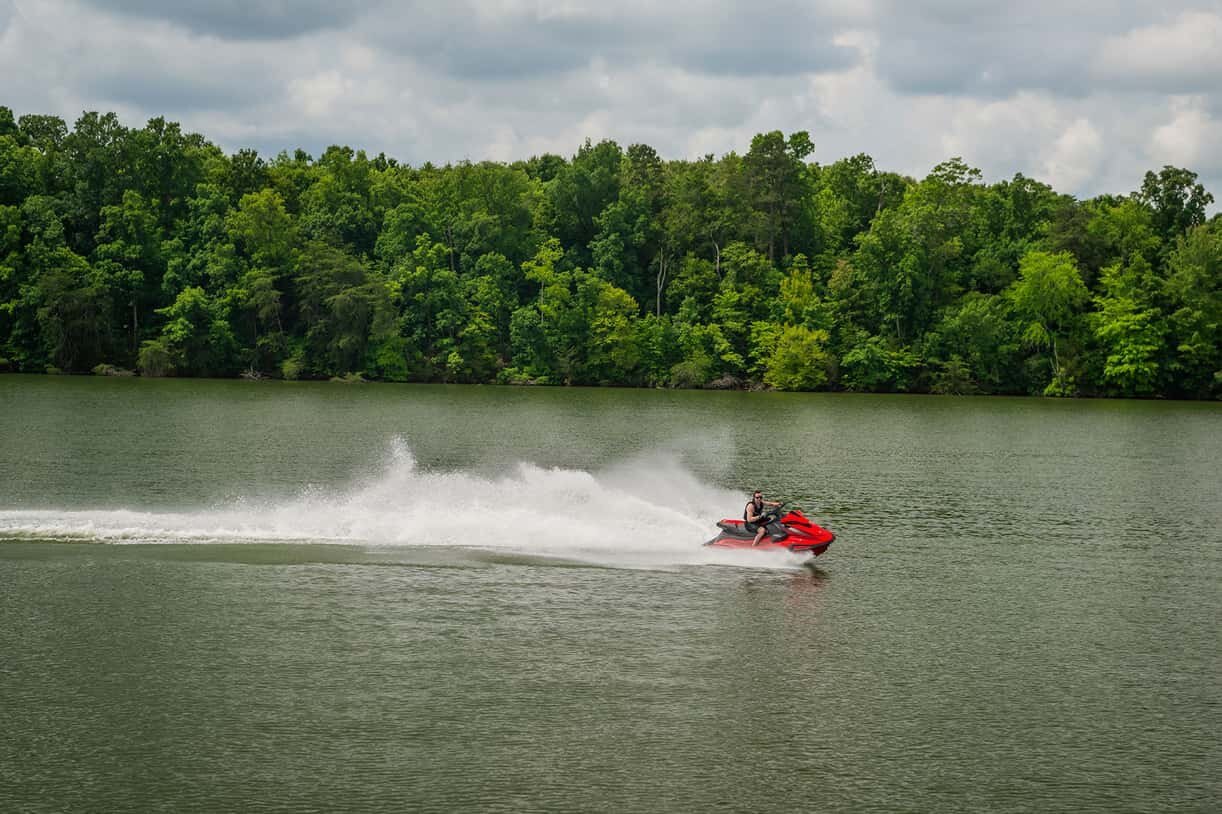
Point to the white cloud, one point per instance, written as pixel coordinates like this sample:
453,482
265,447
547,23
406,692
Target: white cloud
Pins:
1182,55
1075,156
315,96
1190,139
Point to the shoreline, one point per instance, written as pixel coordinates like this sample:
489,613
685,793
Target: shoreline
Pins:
748,387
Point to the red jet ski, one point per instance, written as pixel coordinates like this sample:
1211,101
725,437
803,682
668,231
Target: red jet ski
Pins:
789,532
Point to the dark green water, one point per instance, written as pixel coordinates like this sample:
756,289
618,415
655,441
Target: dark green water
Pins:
227,596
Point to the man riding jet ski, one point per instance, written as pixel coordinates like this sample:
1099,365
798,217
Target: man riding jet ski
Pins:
772,531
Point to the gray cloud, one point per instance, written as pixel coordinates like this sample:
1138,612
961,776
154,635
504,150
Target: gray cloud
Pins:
1087,98
507,41
992,50
135,67
234,82
978,66
961,47
243,19
164,92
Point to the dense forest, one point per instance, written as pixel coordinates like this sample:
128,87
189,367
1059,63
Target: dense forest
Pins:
151,249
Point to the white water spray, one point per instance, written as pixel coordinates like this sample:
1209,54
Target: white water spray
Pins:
648,512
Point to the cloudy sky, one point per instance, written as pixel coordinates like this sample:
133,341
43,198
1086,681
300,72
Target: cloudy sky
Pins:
1084,94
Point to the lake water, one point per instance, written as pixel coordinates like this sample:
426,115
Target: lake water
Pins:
307,596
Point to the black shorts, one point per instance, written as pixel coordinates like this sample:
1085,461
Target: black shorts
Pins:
754,527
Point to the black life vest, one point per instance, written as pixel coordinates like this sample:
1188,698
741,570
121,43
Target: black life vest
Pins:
747,511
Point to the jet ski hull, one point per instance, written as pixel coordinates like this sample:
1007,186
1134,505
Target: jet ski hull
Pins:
793,533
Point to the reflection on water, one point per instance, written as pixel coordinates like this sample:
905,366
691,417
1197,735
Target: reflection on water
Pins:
807,584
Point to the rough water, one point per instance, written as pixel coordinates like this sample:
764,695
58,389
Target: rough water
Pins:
231,596
648,512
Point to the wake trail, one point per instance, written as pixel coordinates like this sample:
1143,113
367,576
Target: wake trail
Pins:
648,512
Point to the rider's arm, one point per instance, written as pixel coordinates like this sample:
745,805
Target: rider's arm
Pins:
752,517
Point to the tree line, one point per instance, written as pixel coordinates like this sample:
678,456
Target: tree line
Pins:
151,249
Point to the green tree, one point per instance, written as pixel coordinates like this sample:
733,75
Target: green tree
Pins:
196,339
339,301
434,311
798,359
19,169
798,302
495,214
128,255
201,251
1179,202
1046,298
1130,327
337,206
263,238
165,167
244,173
73,311
631,238
747,294
915,257
875,365
1124,230
47,134
978,338
10,278
775,171
96,147
1193,290
613,352
151,245
847,195
580,192
263,230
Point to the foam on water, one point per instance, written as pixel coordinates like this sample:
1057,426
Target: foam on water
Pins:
648,512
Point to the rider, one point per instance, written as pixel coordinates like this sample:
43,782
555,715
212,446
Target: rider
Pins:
755,518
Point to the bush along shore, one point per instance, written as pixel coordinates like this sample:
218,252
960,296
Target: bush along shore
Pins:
151,250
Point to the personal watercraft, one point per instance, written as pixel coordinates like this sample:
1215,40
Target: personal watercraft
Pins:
791,531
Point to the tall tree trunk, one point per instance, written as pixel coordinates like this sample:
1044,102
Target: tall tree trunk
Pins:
661,281
254,357
782,225
772,220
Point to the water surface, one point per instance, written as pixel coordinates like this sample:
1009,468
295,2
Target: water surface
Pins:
295,596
